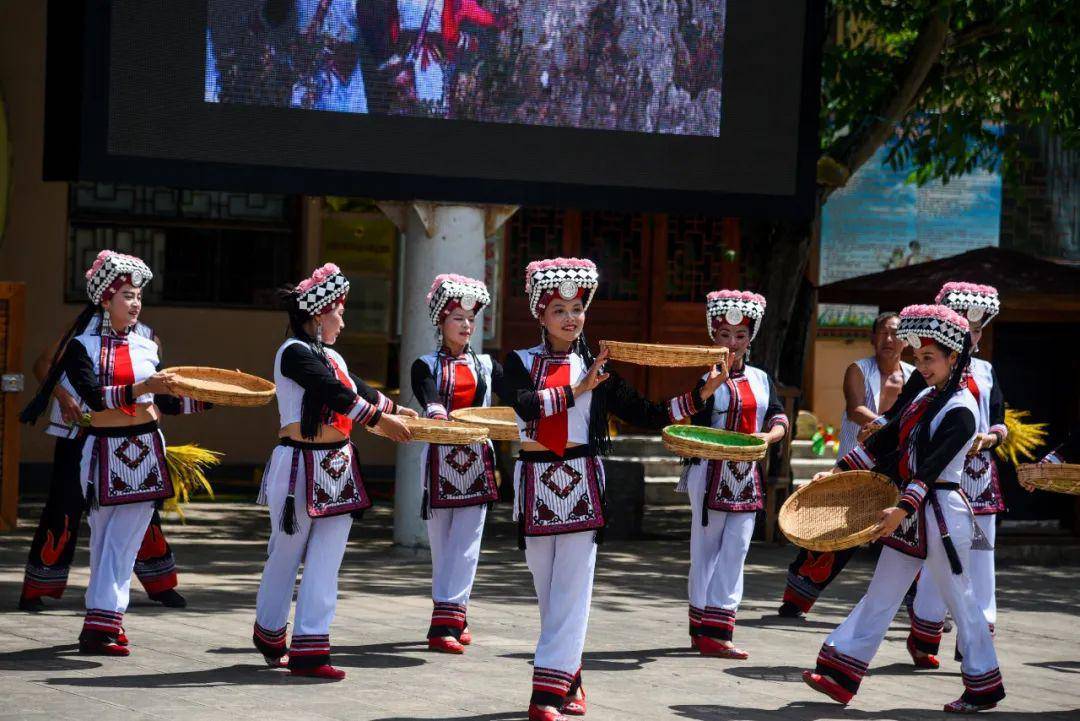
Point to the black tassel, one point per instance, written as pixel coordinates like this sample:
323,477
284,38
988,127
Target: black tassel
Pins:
288,516
950,551
91,500
521,532
358,515
705,507
425,511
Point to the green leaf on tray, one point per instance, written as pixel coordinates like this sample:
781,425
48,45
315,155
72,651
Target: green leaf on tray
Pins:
713,435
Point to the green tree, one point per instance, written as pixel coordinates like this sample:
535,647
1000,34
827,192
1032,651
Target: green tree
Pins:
924,79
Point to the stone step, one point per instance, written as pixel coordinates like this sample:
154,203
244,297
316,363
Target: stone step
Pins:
805,468
804,449
660,491
638,445
655,466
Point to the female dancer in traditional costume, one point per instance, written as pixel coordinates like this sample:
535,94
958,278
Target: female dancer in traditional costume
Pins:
562,396
57,535
458,481
314,467
725,496
932,528
979,480
113,371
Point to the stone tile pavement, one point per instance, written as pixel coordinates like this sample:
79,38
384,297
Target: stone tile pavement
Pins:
198,663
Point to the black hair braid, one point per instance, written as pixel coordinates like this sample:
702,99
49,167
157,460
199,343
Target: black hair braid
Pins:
947,391
40,401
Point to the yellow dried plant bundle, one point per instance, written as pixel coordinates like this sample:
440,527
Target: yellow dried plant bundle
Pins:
1023,440
187,469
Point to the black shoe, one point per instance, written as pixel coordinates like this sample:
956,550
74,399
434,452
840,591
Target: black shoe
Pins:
31,605
790,610
169,599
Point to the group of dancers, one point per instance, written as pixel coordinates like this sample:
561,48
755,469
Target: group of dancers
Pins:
930,429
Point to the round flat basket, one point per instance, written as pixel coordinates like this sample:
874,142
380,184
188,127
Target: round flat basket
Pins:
713,443
668,356
1053,477
500,421
837,512
222,387
443,433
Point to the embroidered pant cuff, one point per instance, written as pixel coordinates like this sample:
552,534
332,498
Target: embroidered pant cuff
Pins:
158,583
798,599
270,643
550,686
718,623
100,625
309,651
846,671
41,588
986,688
926,635
695,621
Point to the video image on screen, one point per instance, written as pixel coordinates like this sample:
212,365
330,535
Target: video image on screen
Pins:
630,65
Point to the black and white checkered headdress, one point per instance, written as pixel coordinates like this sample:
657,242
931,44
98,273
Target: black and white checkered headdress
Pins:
920,324
971,300
326,286
735,307
110,267
450,291
567,277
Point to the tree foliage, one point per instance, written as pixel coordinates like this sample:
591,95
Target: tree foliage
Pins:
941,82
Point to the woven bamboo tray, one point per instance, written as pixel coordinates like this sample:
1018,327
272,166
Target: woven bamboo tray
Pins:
1053,477
500,421
668,356
837,512
444,433
222,387
713,443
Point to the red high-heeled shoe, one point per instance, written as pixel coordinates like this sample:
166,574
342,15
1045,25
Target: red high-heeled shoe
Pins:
921,660
536,713
445,644
825,685
325,671
709,646
466,636
575,706
121,638
103,648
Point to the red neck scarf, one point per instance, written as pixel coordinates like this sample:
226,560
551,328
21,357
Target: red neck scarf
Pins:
552,431
342,422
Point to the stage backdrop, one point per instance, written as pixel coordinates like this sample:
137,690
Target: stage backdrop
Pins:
677,105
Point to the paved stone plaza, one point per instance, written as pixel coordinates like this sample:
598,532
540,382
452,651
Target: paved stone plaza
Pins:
198,663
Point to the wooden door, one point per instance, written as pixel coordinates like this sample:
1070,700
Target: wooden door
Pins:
691,256
619,243
12,302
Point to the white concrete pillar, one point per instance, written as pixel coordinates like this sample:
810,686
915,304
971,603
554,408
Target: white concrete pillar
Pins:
439,238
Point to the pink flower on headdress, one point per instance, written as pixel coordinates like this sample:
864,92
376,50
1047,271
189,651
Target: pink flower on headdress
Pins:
962,287
105,255
736,295
444,277
538,265
319,276
939,312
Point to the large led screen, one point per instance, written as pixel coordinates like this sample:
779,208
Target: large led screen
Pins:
705,105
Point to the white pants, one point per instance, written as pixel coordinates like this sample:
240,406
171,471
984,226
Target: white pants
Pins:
454,535
318,542
116,533
562,569
930,606
855,641
717,555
